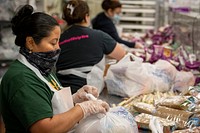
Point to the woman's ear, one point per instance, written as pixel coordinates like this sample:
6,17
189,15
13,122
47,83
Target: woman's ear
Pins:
110,12
30,43
87,18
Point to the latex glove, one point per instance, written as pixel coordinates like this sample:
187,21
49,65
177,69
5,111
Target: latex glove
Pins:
139,45
93,107
80,95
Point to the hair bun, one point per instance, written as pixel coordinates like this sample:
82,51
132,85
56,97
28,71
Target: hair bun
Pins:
22,13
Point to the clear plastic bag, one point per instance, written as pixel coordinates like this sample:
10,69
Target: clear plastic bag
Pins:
126,78
182,81
130,78
117,120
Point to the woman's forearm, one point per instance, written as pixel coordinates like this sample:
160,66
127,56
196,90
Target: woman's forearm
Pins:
60,123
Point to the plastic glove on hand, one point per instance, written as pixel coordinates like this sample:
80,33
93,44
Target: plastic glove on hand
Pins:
93,107
80,95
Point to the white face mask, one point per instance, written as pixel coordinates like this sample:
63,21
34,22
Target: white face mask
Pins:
116,18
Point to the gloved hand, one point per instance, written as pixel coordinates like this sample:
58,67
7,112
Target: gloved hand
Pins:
80,95
93,107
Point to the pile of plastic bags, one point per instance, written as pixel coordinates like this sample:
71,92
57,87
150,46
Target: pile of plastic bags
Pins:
131,77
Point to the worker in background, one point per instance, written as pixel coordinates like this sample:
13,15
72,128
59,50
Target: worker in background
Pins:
31,98
105,21
83,49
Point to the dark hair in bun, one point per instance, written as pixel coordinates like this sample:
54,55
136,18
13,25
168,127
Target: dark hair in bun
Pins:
16,21
26,23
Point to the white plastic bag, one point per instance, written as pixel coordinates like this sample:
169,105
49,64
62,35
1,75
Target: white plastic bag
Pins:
129,78
117,120
182,81
126,78
155,125
163,75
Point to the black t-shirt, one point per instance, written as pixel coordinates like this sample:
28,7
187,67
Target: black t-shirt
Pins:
103,23
81,47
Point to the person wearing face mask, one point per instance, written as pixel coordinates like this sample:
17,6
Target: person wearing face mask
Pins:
105,21
31,97
83,49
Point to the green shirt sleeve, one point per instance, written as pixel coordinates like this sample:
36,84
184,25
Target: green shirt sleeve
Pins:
31,103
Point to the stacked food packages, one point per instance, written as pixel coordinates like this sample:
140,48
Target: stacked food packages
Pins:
162,110
162,44
172,111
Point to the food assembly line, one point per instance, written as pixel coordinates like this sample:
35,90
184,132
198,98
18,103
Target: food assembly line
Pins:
106,66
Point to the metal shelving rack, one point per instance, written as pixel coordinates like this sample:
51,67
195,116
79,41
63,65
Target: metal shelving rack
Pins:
187,28
139,16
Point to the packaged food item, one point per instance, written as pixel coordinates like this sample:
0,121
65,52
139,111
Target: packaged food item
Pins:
157,53
171,102
192,130
194,91
192,63
145,98
143,121
181,117
167,52
144,108
197,110
189,104
194,122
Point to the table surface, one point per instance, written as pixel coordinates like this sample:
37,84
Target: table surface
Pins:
111,99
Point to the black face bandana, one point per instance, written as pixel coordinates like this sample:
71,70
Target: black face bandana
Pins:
43,61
